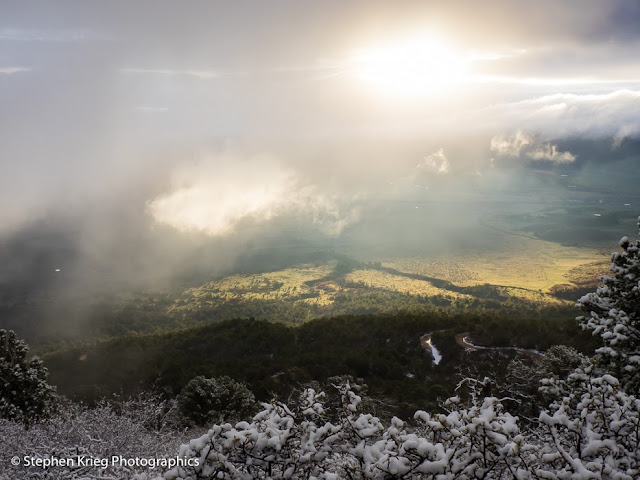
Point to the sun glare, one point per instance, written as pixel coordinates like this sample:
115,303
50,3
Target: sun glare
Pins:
417,66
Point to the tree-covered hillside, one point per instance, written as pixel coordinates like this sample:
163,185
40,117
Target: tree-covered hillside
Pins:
383,349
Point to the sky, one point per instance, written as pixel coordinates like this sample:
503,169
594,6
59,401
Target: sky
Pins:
207,118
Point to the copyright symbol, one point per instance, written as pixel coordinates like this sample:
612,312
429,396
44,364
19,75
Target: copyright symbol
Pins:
15,461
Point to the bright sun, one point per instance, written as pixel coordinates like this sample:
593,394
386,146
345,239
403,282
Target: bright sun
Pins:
420,65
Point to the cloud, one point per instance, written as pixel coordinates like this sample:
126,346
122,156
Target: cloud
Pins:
550,153
624,132
492,56
219,194
12,70
148,109
524,144
436,162
46,35
206,74
551,81
567,115
510,146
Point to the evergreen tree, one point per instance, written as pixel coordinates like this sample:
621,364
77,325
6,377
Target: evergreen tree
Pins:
206,400
614,314
25,395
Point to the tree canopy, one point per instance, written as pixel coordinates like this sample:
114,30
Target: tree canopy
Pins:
25,395
613,313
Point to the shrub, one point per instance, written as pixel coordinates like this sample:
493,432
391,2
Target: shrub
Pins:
206,400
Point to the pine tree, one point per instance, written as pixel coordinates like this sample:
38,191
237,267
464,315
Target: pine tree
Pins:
25,395
614,314
206,400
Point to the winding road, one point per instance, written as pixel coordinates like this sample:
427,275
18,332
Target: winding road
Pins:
462,339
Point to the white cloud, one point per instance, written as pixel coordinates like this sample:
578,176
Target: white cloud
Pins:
492,56
46,35
217,194
510,146
148,109
549,153
524,144
12,70
206,74
551,81
623,132
436,162
566,115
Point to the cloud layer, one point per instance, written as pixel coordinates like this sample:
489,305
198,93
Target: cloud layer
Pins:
561,115
102,103
220,193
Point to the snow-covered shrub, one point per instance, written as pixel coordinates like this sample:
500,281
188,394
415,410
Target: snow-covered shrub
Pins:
280,442
525,377
25,395
479,441
593,432
614,314
127,429
560,360
206,400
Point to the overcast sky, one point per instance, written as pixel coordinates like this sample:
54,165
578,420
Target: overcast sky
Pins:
204,113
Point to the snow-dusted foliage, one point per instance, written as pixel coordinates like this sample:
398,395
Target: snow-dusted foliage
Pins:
524,378
591,433
91,437
481,441
280,442
614,314
25,395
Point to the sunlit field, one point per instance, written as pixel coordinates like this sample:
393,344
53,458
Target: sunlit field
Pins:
533,271
283,284
397,283
530,264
